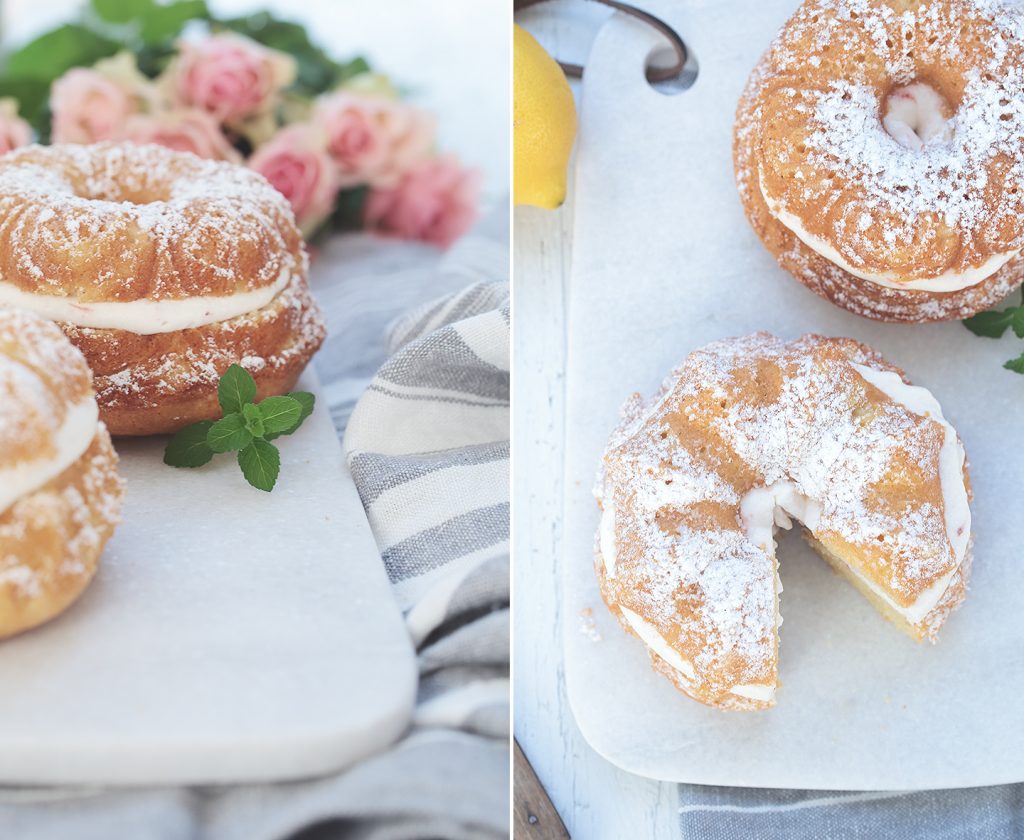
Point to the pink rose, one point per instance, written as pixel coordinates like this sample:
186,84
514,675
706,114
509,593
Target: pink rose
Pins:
436,201
87,107
14,131
297,164
373,139
188,130
230,76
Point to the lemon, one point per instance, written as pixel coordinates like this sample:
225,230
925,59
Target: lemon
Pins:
543,125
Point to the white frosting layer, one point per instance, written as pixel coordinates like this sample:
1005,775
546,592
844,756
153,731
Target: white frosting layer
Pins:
949,281
73,438
754,691
656,642
606,530
144,317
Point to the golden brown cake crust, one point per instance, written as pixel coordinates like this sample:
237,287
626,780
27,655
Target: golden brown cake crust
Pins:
809,132
47,376
51,540
119,222
694,478
155,384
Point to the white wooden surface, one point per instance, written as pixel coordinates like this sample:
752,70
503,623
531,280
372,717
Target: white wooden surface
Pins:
594,798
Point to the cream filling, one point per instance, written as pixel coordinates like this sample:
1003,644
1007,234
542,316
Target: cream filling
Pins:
72,439
754,691
606,532
144,317
925,602
949,281
914,116
656,642
764,509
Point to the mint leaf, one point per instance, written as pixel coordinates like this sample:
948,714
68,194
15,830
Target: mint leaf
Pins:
307,402
253,420
237,387
228,434
280,414
260,462
1016,365
1018,322
188,448
991,324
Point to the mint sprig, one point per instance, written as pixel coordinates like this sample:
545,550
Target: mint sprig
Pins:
247,427
995,323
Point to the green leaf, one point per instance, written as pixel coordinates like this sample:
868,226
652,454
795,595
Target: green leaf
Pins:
1018,322
188,448
991,324
121,11
152,59
33,96
164,22
228,434
356,67
253,420
307,401
280,414
1016,365
237,387
260,462
60,49
348,213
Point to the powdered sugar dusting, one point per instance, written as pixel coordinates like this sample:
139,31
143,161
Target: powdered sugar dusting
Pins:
120,222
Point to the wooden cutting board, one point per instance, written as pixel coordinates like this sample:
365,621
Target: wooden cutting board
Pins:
664,262
231,635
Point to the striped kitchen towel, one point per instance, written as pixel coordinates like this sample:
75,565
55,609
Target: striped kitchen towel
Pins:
722,813
428,447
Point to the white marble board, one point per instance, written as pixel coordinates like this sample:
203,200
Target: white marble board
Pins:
664,262
231,635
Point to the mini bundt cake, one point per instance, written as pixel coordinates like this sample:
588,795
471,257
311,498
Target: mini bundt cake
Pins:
60,494
163,269
744,435
879,154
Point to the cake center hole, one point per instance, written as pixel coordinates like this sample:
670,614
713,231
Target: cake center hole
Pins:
916,114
